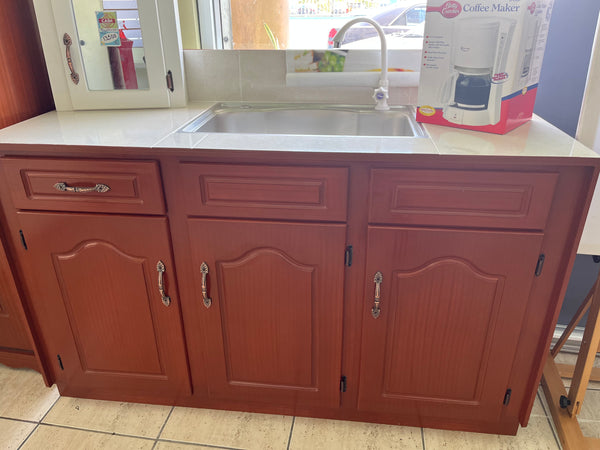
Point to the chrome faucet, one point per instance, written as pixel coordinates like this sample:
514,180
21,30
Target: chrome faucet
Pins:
380,94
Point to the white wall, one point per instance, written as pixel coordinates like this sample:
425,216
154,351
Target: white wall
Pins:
259,75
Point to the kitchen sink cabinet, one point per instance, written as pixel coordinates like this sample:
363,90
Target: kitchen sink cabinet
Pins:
280,264
442,325
107,326
273,324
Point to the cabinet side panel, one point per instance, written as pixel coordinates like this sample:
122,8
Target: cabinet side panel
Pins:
562,234
25,87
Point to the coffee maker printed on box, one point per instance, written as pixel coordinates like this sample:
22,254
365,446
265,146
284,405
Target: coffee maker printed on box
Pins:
481,62
472,95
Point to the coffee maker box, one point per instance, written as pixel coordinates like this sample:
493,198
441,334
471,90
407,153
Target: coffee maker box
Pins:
481,62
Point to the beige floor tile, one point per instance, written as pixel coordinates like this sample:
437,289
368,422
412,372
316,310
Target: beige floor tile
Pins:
165,445
228,428
590,428
590,409
13,433
565,358
536,436
24,394
124,418
317,434
592,385
538,409
47,437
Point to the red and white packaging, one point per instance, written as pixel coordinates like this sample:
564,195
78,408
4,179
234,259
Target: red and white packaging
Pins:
481,62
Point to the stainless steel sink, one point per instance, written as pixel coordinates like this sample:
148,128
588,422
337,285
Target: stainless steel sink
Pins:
306,119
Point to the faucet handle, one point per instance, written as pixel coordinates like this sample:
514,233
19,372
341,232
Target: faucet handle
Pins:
380,95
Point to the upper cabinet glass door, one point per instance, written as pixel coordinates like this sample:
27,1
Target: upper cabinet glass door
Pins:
113,56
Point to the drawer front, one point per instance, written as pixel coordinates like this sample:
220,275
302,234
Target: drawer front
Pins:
489,199
85,185
296,193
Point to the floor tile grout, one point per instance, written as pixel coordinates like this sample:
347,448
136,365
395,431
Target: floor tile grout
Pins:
291,431
112,433
539,397
28,436
49,409
19,420
549,419
165,423
423,438
551,425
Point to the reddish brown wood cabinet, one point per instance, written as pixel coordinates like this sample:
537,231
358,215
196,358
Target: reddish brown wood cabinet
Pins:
442,338
107,325
15,342
367,291
274,324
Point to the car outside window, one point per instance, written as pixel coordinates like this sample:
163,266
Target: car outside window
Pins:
301,24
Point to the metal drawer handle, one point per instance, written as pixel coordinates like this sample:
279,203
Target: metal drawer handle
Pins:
375,311
160,268
64,187
68,42
204,271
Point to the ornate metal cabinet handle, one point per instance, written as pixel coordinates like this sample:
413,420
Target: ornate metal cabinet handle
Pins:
66,188
160,268
375,311
204,271
68,42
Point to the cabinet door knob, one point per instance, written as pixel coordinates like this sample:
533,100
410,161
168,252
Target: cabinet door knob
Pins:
160,268
378,279
68,42
64,187
204,271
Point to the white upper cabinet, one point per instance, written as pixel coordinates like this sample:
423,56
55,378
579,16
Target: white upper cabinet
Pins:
112,54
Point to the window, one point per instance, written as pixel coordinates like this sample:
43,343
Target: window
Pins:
304,24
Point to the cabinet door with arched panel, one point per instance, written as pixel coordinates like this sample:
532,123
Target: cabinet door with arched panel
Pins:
439,344
269,304
105,299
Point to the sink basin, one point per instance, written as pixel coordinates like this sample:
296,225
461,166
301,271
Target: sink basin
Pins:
306,119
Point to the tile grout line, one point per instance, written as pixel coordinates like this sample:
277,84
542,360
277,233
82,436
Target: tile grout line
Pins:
28,436
19,420
549,419
539,397
423,437
38,423
111,433
49,409
165,422
291,431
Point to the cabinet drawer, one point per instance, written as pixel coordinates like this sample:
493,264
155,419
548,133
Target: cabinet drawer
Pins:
461,198
302,193
63,185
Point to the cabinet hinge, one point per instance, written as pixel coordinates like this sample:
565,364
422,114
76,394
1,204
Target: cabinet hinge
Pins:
22,236
60,362
507,397
540,265
348,256
343,383
170,81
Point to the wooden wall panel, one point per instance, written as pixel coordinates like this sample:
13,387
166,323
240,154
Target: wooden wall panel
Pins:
24,86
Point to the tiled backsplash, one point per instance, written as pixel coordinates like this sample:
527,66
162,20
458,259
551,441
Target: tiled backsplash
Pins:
259,75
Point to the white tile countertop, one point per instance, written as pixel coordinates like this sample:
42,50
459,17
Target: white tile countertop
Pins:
158,128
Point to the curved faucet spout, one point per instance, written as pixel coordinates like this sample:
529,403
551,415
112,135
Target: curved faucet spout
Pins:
381,93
